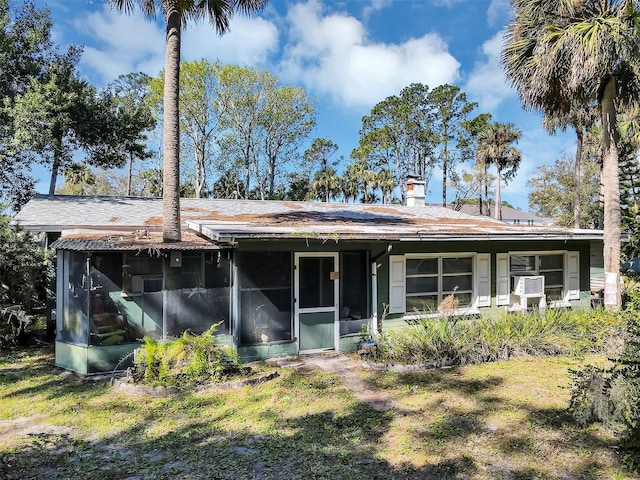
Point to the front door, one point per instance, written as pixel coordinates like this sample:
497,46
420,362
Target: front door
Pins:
316,301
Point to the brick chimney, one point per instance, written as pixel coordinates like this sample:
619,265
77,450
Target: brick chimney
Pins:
415,191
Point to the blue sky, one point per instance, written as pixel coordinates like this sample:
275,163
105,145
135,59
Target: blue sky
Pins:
349,55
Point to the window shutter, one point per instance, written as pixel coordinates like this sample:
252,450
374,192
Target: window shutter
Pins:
503,295
572,275
396,284
483,280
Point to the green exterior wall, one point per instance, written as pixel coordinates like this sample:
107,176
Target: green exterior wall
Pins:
349,343
262,352
391,322
91,359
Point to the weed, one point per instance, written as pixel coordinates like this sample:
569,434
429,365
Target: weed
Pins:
185,361
443,341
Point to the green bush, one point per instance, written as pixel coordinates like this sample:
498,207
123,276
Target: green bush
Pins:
185,361
26,270
438,341
611,394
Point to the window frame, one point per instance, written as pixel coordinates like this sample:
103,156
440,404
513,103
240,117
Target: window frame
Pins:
541,272
441,294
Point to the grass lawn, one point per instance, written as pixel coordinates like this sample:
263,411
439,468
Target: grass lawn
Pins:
503,420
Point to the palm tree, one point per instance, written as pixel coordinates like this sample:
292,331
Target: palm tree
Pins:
176,14
326,184
385,181
559,52
579,118
494,147
348,186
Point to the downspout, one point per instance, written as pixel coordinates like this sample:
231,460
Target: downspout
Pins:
374,288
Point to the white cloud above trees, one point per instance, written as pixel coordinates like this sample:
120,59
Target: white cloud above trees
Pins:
486,83
340,52
332,55
122,43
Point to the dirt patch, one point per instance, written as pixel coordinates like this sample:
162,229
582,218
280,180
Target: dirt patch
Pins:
27,426
343,367
138,390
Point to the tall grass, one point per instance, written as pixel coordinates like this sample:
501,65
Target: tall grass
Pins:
450,341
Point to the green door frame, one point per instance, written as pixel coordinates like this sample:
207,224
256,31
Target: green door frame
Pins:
333,310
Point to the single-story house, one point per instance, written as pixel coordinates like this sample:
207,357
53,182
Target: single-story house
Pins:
282,278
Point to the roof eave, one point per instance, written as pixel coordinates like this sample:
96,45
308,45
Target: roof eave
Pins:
234,237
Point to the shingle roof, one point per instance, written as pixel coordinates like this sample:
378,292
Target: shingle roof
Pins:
509,214
228,220
137,241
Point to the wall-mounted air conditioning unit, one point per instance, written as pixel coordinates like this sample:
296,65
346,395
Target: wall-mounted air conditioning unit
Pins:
530,286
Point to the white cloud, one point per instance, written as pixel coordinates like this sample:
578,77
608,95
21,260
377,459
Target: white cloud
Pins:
332,55
249,41
374,6
498,12
486,83
129,43
122,44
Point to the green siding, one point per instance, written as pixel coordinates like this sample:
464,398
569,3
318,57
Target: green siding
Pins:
262,352
101,358
94,358
311,245
350,343
391,322
72,357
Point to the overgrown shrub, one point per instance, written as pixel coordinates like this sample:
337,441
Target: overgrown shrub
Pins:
26,269
459,341
185,361
611,394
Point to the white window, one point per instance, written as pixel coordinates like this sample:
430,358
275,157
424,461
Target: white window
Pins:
422,282
548,265
560,269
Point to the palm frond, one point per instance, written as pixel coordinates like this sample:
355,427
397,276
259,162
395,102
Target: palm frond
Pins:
148,7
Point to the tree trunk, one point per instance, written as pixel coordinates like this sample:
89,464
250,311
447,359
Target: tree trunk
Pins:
272,175
486,190
611,187
576,178
55,167
247,170
200,152
444,176
171,178
129,175
498,209
54,174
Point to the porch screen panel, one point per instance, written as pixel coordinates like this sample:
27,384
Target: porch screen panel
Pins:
141,299
205,293
354,284
316,286
217,281
108,321
265,296
74,325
